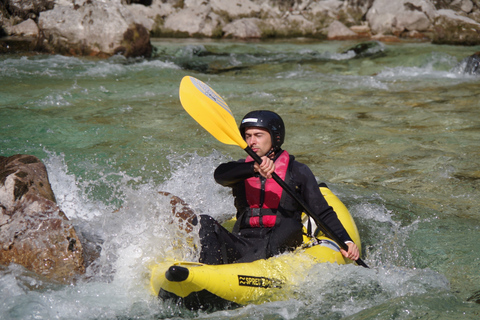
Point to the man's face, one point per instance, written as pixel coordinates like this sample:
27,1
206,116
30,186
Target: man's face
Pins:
259,140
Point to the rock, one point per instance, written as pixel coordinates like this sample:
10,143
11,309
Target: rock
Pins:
28,9
470,65
395,17
243,28
26,28
462,5
367,49
191,21
329,7
153,16
93,28
385,38
475,297
338,31
103,28
361,29
451,28
34,231
235,9
135,43
182,214
17,45
296,25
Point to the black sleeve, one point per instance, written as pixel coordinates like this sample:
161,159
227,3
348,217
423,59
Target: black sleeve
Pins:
230,173
316,202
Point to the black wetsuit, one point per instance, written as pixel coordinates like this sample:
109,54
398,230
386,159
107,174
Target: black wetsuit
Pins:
247,243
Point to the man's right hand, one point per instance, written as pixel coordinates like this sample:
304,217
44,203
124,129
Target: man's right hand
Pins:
266,168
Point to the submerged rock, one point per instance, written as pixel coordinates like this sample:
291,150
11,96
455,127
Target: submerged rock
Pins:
367,49
34,232
475,297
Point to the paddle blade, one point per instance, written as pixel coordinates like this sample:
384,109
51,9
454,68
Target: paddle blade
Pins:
210,111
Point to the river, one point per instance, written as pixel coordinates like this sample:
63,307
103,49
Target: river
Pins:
395,133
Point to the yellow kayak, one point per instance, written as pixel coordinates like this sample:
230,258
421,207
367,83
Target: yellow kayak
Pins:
200,286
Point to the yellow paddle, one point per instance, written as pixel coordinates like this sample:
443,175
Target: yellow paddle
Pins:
212,113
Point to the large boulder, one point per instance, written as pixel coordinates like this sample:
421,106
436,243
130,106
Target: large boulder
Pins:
34,231
453,28
191,21
397,17
243,28
95,29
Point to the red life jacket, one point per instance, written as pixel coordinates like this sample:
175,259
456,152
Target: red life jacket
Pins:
263,195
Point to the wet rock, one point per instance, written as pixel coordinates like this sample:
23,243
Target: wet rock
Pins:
475,297
367,49
34,232
452,28
135,43
470,65
182,214
93,28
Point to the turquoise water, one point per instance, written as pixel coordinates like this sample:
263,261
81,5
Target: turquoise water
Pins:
395,134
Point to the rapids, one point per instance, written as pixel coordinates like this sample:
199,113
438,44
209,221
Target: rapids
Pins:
395,133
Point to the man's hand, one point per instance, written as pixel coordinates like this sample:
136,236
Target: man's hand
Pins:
266,168
353,252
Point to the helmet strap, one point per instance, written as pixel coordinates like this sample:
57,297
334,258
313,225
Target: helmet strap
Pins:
269,153
273,153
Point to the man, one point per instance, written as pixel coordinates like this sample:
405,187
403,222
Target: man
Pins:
268,219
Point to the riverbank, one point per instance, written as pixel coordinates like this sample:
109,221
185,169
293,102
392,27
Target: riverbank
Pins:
95,28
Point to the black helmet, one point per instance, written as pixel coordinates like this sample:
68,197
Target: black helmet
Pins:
268,120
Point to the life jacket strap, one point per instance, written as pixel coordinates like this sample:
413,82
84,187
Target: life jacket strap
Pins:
262,221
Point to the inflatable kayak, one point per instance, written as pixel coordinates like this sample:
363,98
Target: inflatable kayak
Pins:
200,286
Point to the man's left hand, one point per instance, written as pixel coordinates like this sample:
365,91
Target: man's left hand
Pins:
353,252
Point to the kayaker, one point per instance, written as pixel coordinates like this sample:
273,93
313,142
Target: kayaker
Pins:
268,219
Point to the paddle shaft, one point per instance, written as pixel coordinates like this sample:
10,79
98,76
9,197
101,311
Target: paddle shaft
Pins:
305,208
